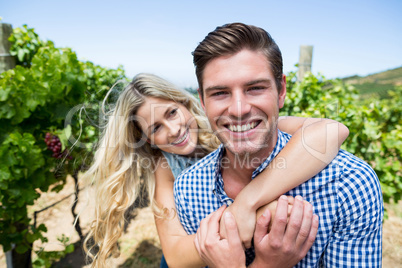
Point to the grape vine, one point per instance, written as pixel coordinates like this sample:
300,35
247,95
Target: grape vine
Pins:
54,144
35,98
374,124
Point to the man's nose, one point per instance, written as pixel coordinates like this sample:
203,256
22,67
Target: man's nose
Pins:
239,105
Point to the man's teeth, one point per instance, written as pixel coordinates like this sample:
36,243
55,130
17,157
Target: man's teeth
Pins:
181,139
241,128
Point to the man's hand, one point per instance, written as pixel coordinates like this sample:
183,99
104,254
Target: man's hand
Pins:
246,219
287,242
218,252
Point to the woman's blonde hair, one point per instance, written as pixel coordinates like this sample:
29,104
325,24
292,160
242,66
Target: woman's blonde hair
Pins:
117,170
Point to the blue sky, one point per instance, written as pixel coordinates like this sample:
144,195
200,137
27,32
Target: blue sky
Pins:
349,36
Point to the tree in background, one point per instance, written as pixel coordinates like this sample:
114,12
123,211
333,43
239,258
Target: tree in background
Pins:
375,124
35,98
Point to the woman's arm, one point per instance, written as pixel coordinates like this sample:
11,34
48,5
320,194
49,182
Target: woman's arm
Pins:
314,144
174,240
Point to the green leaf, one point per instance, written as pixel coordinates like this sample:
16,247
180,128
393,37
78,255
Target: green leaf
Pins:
21,248
31,237
69,248
42,228
64,135
20,55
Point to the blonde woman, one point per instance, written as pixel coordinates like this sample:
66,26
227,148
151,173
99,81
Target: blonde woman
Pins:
154,132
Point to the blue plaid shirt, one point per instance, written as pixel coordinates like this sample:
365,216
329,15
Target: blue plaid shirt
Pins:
346,196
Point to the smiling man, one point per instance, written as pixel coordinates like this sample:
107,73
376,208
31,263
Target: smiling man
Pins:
242,102
242,88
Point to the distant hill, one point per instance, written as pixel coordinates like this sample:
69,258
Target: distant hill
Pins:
376,84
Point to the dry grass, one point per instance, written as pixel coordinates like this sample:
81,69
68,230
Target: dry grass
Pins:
392,237
140,245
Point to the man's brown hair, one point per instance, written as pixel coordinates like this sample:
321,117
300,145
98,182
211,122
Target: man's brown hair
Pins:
232,38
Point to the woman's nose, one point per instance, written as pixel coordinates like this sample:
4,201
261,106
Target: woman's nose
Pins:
174,128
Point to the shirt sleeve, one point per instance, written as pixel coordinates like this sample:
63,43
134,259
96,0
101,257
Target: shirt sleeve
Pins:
184,211
357,236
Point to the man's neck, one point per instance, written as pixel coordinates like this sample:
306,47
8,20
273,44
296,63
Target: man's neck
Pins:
237,170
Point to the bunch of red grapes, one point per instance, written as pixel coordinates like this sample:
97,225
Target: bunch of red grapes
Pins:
54,144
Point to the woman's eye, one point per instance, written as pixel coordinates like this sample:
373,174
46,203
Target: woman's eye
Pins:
154,129
173,112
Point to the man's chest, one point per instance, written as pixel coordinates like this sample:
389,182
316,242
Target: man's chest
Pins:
232,188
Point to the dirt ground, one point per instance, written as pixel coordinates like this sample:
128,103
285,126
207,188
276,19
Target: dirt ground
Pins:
140,246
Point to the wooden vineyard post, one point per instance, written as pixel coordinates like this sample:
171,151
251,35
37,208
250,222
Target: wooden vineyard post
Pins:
6,60
305,58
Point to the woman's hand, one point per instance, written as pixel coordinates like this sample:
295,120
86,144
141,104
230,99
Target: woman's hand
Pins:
245,219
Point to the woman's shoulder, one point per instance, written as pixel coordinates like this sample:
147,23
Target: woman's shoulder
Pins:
178,163
162,169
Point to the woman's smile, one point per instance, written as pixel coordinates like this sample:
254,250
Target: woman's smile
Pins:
182,140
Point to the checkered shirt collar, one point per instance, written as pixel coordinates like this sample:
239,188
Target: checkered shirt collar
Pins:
280,143
217,187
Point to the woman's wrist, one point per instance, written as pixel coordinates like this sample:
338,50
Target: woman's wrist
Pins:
245,202
249,198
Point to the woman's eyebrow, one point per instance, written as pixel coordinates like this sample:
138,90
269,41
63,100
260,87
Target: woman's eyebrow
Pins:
165,114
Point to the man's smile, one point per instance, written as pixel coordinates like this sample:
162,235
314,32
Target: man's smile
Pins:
243,127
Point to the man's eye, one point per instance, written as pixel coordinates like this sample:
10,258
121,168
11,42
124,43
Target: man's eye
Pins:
256,88
218,93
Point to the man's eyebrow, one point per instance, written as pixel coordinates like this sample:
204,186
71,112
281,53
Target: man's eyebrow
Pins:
250,83
258,81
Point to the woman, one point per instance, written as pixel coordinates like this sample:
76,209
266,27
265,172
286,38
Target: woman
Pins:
155,131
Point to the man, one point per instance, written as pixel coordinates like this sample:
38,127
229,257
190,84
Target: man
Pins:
242,88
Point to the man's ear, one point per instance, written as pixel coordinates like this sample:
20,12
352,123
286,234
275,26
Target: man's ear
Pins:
201,98
282,93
